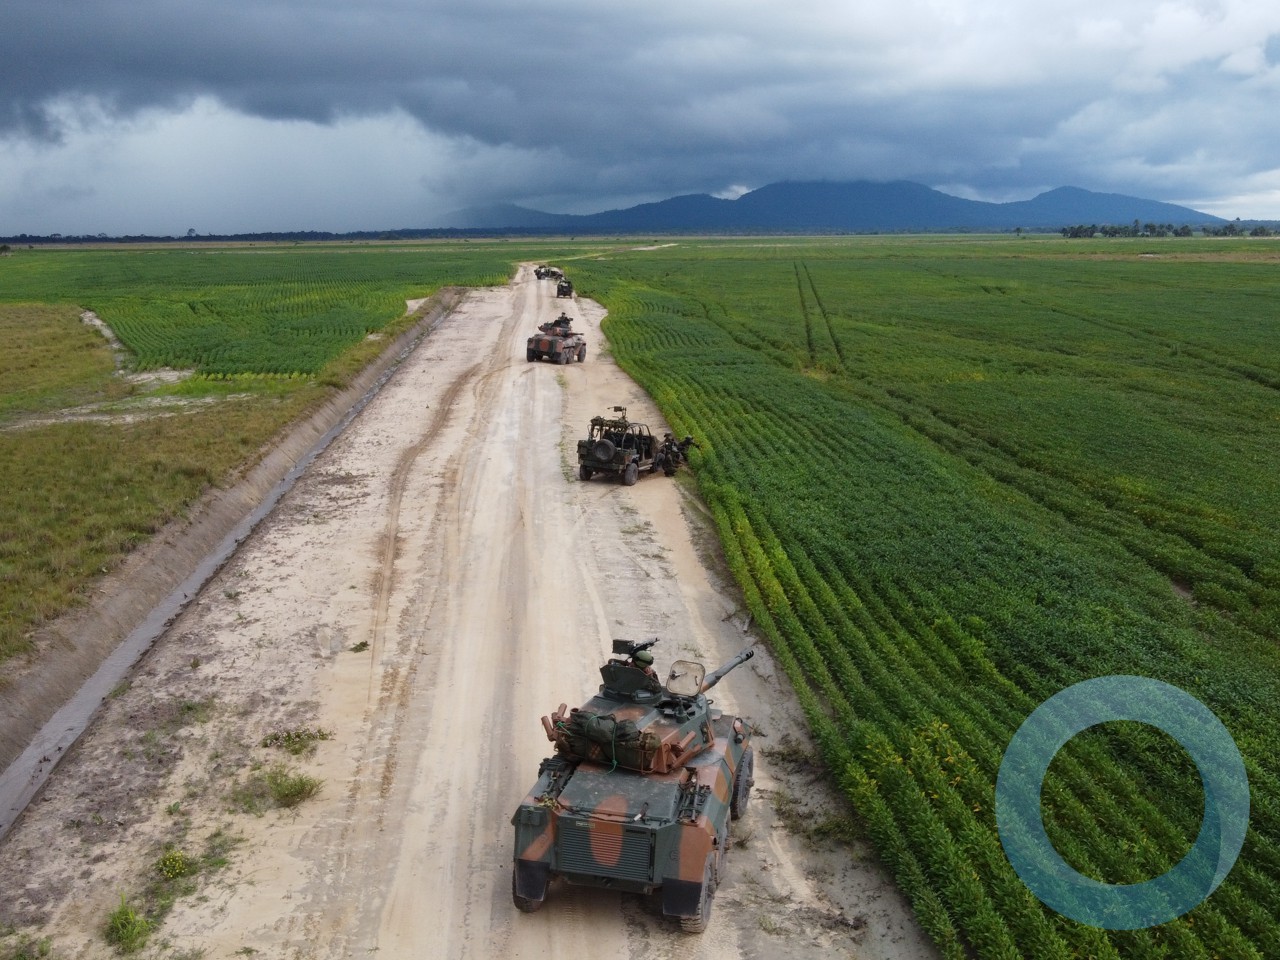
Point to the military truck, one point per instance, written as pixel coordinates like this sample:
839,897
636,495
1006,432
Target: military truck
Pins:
557,341
547,273
618,446
638,797
564,288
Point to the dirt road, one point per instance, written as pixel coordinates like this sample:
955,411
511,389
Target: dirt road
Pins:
437,581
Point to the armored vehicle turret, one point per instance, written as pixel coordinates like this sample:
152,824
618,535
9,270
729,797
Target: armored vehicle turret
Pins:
638,796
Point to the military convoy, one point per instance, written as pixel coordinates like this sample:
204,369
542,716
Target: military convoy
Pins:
639,794
557,341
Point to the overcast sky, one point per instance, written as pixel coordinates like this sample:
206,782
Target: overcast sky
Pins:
159,116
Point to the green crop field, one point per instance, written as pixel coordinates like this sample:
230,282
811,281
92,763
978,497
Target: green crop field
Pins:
269,332
954,477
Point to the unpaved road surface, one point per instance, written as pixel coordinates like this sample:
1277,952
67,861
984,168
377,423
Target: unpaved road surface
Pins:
436,582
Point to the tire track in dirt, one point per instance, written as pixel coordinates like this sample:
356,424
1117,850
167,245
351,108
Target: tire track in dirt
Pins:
399,478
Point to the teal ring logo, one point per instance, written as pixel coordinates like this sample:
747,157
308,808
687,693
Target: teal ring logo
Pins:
1021,779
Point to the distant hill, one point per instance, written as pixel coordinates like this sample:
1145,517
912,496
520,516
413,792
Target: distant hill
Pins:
860,206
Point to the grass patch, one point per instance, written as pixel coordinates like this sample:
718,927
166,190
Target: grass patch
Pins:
276,786
127,929
176,872
51,360
24,946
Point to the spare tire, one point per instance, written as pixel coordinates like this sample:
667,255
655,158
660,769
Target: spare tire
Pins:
603,449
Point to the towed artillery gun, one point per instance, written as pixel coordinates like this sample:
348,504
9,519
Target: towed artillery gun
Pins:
557,340
639,794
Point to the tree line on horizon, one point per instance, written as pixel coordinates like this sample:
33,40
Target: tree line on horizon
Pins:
1234,229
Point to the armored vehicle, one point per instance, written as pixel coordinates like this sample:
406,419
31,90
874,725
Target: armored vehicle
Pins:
547,273
564,288
557,341
618,446
639,794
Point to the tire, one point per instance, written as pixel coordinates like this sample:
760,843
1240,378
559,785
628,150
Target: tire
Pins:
603,450
562,357
582,353
584,472
699,923
630,475
742,781
669,469
524,904
531,355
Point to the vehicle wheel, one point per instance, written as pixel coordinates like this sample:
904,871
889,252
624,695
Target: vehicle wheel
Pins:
562,357
584,472
524,904
742,785
603,449
630,475
669,469
582,353
531,355
699,923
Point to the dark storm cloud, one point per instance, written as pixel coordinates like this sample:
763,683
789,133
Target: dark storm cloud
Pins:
599,102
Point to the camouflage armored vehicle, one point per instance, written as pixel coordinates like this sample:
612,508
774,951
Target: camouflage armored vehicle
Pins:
557,341
548,273
639,794
564,288
616,445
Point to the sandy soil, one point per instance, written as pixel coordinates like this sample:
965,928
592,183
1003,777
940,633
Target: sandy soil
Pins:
445,538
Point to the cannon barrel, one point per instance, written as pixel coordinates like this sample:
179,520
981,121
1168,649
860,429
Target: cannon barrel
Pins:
712,679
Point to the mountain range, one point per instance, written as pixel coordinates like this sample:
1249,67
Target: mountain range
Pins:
860,206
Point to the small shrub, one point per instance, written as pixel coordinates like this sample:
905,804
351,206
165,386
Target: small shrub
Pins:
174,864
127,929
278,786
296,741
290,789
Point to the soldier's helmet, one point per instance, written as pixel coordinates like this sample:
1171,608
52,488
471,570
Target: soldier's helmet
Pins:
644,658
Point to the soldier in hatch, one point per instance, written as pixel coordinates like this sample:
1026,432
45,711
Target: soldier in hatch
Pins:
644,660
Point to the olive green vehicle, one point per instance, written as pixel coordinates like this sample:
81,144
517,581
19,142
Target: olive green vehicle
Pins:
638,797
618,446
